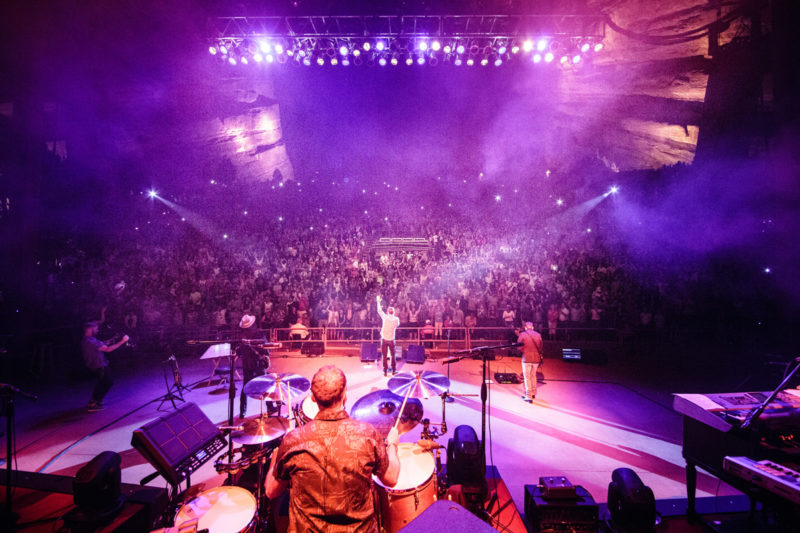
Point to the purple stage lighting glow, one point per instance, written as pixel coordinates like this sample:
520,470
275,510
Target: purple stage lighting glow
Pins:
152,193
559,202
447,49
244,61
563,59
265,47
614,189
497,198
334,61
224,235
345,62
320,61
356,52
767,270
515,49
278,49
394,60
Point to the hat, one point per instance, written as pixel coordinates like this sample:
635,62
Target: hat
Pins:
528,325
247,321
428,321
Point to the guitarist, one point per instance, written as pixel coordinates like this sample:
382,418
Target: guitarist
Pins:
94,351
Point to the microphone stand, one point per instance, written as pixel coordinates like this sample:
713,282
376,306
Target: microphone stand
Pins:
448,398
7,391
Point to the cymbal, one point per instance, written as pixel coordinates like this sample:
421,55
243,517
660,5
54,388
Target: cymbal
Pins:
260,430
381,408
423,384
277,387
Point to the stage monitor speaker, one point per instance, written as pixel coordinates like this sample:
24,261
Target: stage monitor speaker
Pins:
369,352
447,515
415,354
631,502
97,484
464,457
574,514
178,443
311,348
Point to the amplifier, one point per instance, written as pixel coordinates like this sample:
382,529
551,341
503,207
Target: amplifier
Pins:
506,377
178,443
559,515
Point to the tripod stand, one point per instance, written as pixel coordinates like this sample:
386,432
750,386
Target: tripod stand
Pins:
174,391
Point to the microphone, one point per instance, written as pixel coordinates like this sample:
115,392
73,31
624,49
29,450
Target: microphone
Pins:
448,360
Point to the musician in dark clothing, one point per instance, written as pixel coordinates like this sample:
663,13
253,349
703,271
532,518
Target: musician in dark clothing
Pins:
94,351
254,362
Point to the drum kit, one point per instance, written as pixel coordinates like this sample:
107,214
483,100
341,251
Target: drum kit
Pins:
234,509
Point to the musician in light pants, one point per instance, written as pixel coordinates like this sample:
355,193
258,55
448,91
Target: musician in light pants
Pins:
531,359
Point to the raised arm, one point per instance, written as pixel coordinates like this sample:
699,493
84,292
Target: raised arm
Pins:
380,311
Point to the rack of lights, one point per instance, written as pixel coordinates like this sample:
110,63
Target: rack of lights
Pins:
567,40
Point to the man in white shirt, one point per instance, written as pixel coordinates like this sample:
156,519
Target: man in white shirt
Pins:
388,329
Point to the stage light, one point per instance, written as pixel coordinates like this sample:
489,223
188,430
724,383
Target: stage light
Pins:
245,212
460,49
470,62
223,49
502,50
541,45
307,61
366,46
343,50
212,50
334,61
423,46
232,60
576,58
257,57
280,219
498,62
394,61
152,193
278,49
447,49
244,61
409,61
497,198
269,58
484,62
421,60
515,49
345,62
436,46
585,47
265,47
320,61
224,235
614,189
527,46
356,52
563,59
548,57
767,270
457,62
380,46
382,61
537,58
559,202
598,47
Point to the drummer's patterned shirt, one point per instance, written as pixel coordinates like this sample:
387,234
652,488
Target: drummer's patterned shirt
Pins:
329,464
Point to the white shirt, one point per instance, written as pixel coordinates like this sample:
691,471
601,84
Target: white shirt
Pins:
390,325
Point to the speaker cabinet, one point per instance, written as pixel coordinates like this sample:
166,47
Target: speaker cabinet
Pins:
369,352
415,354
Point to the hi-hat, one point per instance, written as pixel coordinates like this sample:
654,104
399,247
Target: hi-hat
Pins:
277,387
421,384
381,409
260,430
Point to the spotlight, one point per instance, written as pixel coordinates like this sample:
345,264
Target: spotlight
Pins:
470,62
457,62
212,50
380,46
767,270
269,58
484,62
460,49
527,46
307,61
497,198
265,48
343,50
436,46
409,61
223,49
559,202
382,61
576,58
447,49
541,45
548,57
393,61
423,45
502,50
345,62
598,47
537,58
515,49
278,49
498,62
152,193
563,59
421,60
320,61
356,52
244,61
232,60
585,47
257,57
334,61
614,189
367,46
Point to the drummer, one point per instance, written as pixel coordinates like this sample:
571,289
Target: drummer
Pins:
328,464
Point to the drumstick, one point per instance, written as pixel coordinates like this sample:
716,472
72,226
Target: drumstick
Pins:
408,392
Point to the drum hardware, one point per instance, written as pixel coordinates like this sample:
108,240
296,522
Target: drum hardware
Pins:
260,430
219,510
416,488
284,387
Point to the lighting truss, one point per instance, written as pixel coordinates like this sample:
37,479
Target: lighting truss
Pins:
407,39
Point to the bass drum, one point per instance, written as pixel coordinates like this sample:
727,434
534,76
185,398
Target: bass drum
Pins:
220,510
414,491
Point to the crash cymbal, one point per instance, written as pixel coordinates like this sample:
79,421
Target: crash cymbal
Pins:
277,387
423,384
381,408
260,430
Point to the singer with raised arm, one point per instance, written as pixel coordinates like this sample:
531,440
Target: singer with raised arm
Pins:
531,359
390,323
94,355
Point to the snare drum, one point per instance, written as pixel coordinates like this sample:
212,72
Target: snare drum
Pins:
221,510
414,491
306,411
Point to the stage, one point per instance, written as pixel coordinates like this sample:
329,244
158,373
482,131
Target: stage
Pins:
586,420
